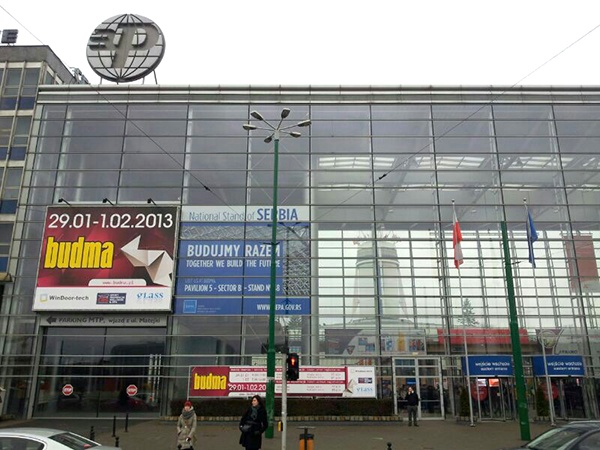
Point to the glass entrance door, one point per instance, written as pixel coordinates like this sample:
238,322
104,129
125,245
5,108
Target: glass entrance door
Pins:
493,398
424,375
570,396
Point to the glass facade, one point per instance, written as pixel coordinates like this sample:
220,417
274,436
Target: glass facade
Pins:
380,174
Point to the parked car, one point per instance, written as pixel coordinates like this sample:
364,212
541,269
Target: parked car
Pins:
584,435
46,439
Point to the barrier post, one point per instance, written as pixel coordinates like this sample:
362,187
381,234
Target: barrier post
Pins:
306,439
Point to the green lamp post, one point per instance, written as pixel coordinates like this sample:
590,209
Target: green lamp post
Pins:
274,134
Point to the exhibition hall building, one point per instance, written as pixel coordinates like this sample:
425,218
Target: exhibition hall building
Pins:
409,227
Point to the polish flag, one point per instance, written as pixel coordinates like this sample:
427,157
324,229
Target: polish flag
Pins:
456,240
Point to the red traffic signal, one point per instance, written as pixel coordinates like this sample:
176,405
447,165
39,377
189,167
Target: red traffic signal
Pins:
292,367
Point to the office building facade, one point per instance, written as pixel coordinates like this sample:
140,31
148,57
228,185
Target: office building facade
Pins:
22,70
365,259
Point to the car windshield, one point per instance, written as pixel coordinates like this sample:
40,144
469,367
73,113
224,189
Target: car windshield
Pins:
556,439
73,441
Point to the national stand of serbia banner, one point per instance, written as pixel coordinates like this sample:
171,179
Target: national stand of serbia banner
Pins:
224,261
314,381
107,259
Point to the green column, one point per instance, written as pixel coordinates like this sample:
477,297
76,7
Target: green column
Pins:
516,342
270,392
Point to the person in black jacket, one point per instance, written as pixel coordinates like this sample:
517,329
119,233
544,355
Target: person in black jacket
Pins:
253,424
412,405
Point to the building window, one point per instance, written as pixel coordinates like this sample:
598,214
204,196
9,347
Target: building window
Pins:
12,183
17,153
26,102
13,80
48,78
8,206
20,138
30,82
6,231
6,124
8,103
10,92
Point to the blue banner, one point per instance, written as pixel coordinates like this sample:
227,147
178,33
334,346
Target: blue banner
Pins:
559,366
489,366
225,268
236,306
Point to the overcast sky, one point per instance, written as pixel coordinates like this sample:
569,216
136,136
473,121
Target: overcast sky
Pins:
336,42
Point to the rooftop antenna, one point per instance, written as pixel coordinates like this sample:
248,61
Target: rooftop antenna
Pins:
79,76
9,36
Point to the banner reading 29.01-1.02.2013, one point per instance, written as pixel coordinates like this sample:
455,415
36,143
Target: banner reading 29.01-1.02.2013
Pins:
107,259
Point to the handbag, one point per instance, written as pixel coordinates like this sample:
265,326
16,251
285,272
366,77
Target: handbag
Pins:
246,428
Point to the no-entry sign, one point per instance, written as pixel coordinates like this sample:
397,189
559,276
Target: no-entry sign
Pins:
132,390
67,389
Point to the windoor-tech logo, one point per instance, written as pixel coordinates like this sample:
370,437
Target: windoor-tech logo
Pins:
125,48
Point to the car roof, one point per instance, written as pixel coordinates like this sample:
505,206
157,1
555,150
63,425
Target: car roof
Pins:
591,424
40,432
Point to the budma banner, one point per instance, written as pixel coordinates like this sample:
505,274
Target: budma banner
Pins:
107,259
314,381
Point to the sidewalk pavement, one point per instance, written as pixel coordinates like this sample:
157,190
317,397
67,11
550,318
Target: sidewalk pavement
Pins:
157,434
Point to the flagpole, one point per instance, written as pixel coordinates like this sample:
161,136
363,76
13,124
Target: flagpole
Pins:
541,334
466,351
462,308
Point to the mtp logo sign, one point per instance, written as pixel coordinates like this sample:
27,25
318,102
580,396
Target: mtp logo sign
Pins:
125,48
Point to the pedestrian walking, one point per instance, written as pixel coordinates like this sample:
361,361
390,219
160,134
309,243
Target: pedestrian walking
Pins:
186,427
412,405
253,424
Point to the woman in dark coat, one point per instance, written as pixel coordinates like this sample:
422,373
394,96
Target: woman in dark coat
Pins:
253,424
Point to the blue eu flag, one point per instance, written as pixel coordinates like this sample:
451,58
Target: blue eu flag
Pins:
532,236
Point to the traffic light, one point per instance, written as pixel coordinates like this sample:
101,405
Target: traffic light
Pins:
293,367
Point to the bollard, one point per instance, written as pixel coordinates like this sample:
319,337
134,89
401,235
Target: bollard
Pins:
126,421
114,426
117,441
389,446
307,440
92,433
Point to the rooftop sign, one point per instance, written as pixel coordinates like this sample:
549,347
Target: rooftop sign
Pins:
125,48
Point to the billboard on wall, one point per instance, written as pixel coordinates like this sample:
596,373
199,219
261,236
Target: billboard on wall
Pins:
482,336
107,259
314,381
224,261
362,342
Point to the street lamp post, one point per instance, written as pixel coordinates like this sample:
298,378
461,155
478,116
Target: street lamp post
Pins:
274,135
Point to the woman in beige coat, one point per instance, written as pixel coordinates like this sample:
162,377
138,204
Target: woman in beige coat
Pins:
186,427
